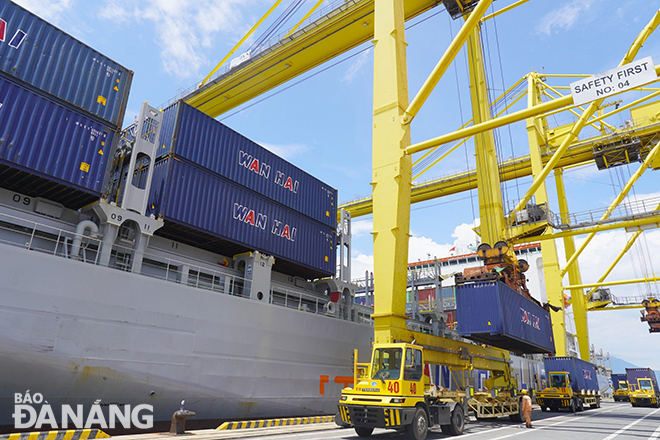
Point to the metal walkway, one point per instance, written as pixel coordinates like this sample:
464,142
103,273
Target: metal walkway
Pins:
330,35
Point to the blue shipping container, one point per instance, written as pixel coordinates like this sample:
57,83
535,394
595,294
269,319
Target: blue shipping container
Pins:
196,198
583,373
615,380
45,139
188,133
495,314
641,373
38,53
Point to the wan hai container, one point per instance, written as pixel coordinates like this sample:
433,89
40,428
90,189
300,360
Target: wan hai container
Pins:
190,134
48,150
44,57
495,314
204,209
583,373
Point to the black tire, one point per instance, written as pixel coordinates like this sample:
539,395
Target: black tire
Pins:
457,422
573,406
517,418
544,409
363,432
419,427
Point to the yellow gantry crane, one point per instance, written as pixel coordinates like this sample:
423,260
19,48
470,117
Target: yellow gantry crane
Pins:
551,149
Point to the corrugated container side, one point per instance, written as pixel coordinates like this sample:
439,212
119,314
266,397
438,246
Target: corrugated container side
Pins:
640,373
495,314
188,133
196,198
583,373
38,53
615,380
43,138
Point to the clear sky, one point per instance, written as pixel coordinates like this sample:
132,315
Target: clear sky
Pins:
323,124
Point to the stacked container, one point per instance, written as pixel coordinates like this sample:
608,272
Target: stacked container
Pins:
62,105
212,181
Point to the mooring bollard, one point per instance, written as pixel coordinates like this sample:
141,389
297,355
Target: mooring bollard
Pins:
178,425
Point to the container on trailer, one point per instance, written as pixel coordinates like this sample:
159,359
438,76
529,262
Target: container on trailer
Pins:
616,379
642,373
46,58
190,134
495,314
49,150
583,373
209,211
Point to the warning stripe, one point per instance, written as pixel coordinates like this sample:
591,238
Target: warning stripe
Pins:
71,434
273,422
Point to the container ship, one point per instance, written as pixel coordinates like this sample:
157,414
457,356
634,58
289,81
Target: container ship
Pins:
174,260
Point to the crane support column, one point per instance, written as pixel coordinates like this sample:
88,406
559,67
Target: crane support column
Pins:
488,179
392,171
551,270
578,299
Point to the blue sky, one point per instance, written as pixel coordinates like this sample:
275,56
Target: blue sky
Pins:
323,124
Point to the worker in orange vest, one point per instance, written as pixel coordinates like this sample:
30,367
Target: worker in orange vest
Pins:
526,408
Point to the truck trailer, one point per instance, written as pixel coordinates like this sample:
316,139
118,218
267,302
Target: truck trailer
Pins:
571,384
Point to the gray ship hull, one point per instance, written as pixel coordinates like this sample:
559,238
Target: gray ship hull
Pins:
77,333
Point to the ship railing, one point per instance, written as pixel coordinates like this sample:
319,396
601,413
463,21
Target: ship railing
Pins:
47,239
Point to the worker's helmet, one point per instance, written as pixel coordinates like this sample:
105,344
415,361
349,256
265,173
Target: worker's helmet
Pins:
523,391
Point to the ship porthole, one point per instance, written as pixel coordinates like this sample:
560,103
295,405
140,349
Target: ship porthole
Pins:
260,296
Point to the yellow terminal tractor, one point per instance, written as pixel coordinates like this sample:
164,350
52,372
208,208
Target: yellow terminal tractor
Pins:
393,392
572,384
644,389
620,387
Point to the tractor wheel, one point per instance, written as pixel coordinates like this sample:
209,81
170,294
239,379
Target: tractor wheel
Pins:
457,421
363,432
518,417
419,427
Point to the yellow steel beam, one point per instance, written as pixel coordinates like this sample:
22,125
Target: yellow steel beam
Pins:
520,115
574,276
488,181
391,172
577,127
622,195
653,279
245,37
577,154
446,60
457,354
551,275
643,223
611,307
492,124
302,20
618,258
503,10
331,35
